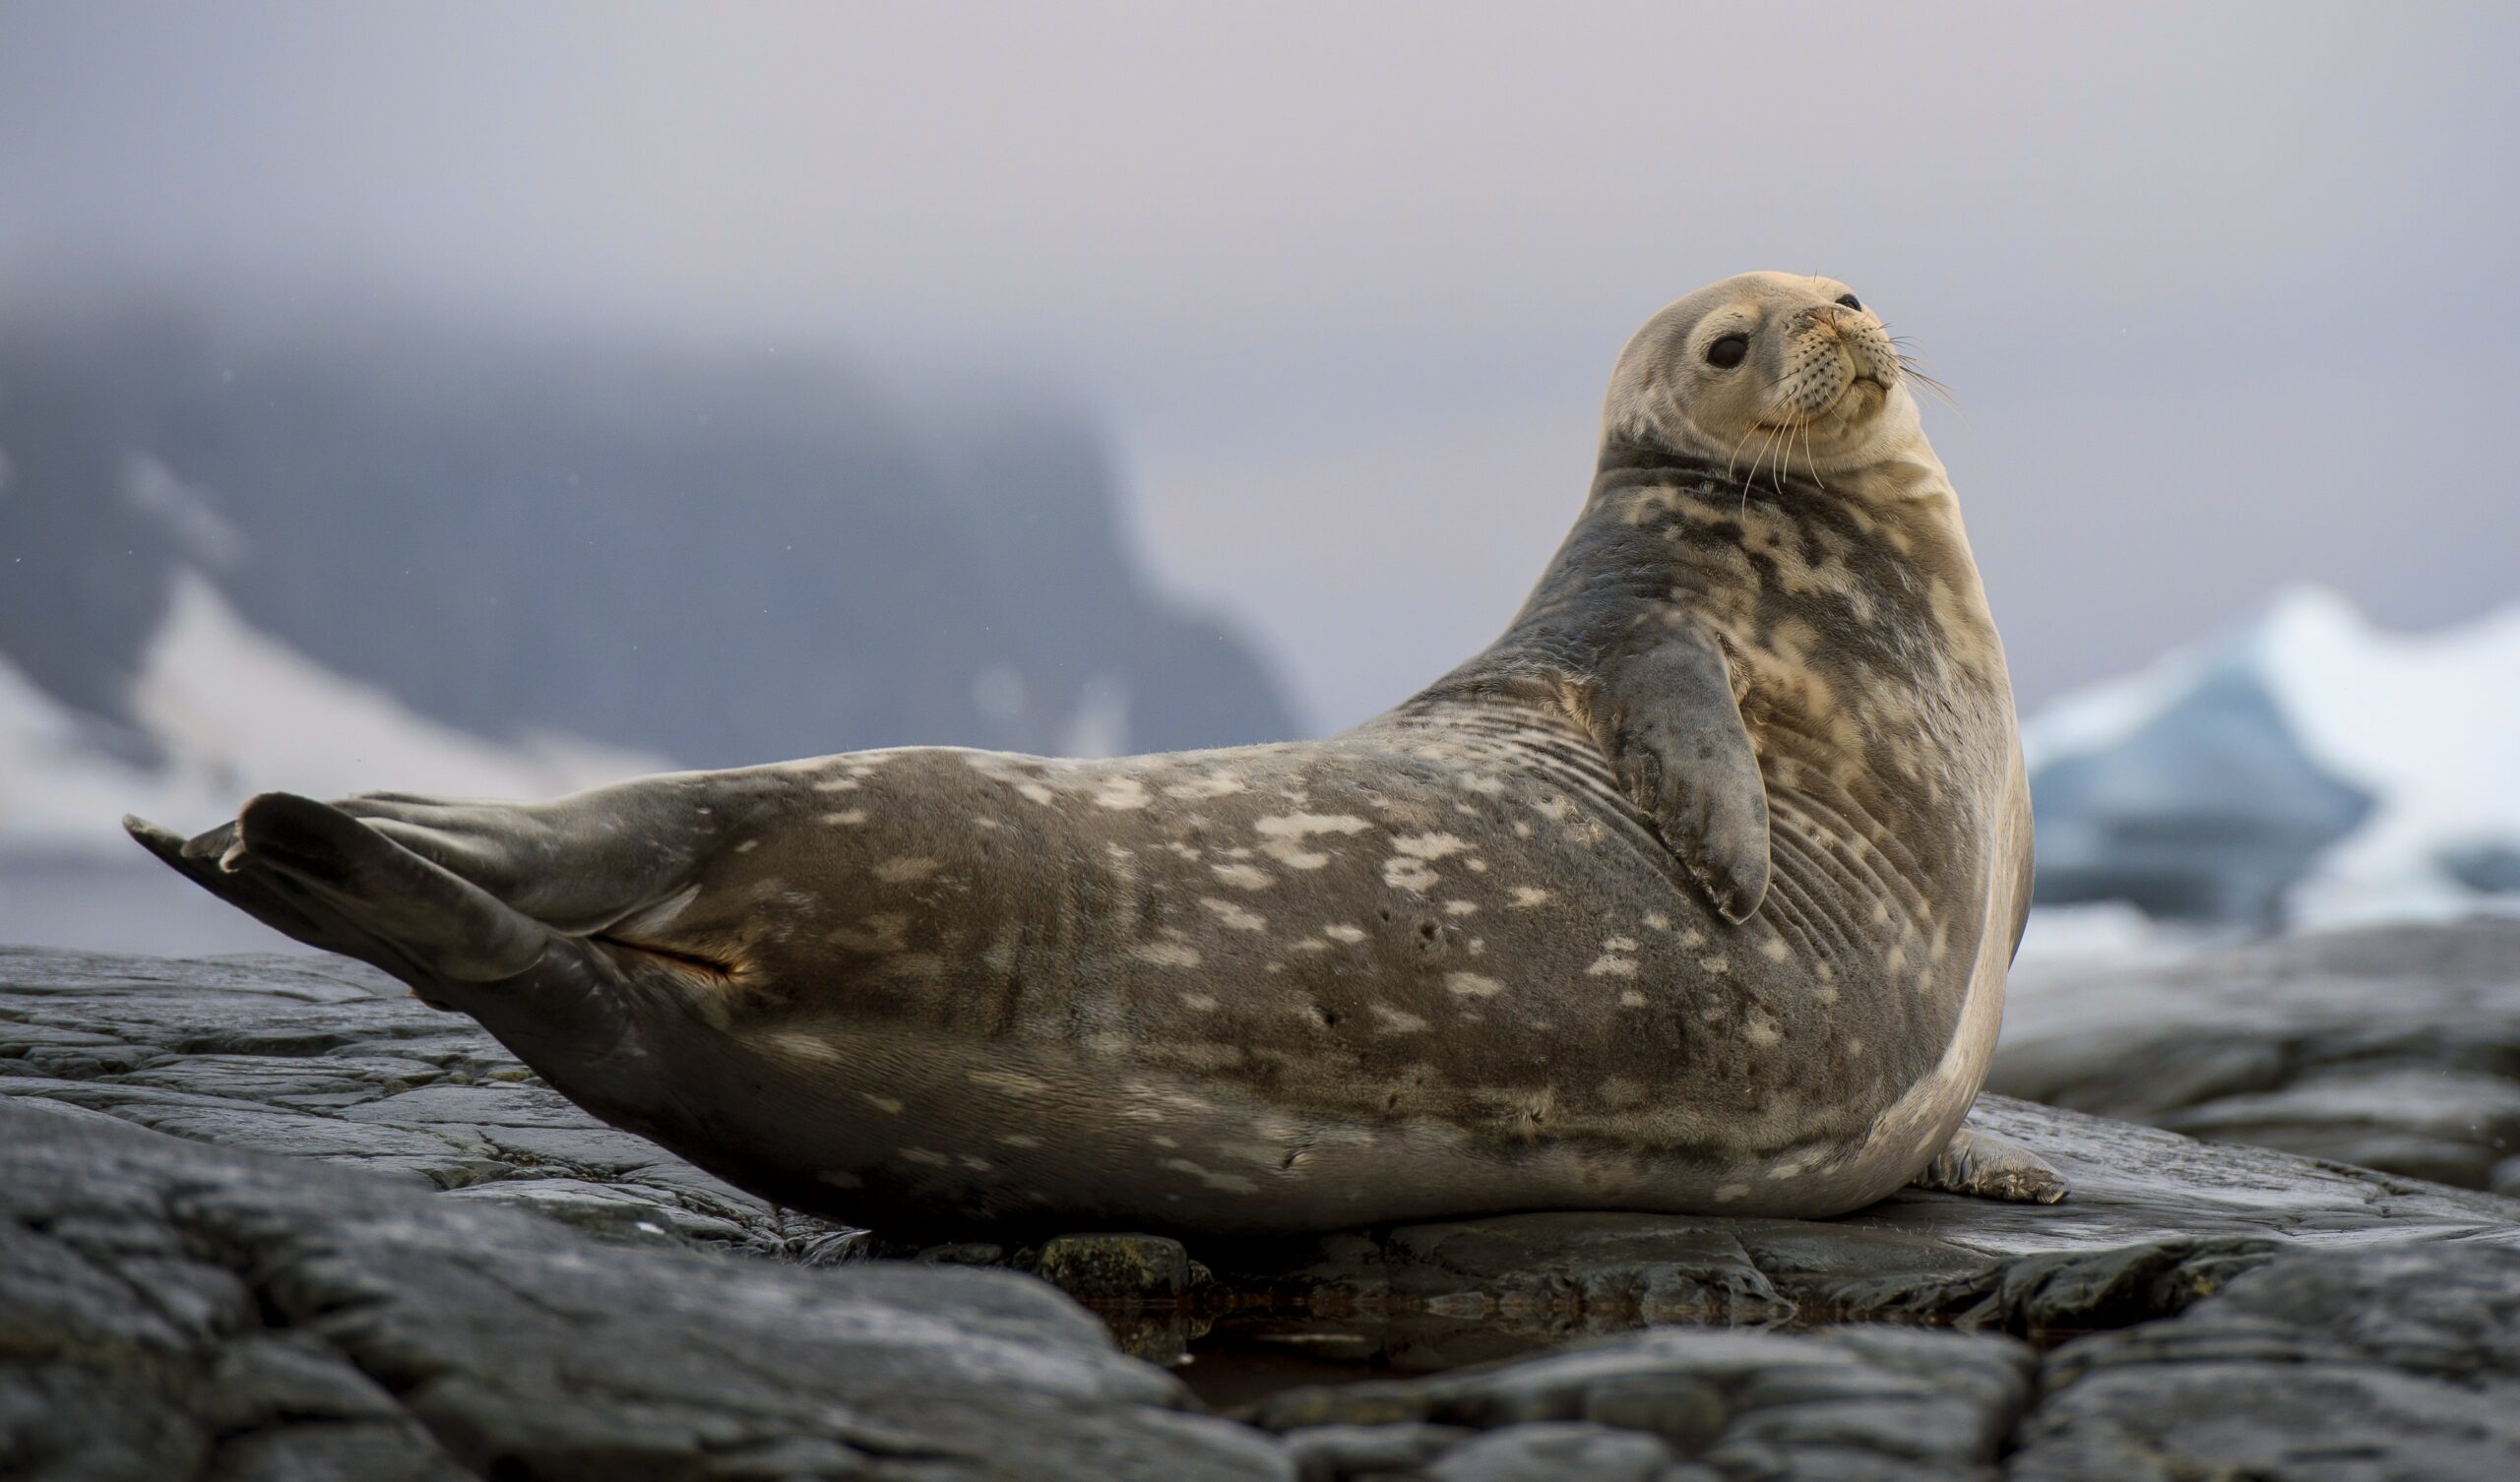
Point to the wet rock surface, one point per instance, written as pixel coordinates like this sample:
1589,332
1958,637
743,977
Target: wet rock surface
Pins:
2397,1362
322,1057
176,1310
1859,1400
2356,1363
493,1284
2395,1048
2154,1222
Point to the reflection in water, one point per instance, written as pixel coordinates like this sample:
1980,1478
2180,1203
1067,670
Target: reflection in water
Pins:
1237,1353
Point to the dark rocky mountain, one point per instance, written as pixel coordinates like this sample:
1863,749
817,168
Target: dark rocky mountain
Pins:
717,557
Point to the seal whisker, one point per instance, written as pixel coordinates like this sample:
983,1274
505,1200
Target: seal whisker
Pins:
1766,444
1812,457
1941,393
1911,368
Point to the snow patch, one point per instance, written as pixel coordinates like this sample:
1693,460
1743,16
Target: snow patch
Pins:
188,513
237,711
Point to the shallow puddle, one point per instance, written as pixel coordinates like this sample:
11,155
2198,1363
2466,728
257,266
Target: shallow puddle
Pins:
1232,1356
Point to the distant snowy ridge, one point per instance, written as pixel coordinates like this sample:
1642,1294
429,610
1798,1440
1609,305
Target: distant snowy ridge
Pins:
237,711
2428,724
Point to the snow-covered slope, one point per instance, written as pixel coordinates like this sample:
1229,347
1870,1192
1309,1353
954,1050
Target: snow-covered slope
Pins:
2428,724
235,712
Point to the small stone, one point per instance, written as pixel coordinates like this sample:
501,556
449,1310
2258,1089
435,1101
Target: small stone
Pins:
964,1253
1115,1267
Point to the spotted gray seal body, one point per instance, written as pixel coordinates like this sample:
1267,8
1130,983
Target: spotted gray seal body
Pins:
1693,893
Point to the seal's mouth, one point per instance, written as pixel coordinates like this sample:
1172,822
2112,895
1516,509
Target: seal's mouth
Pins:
1842,404
1845,401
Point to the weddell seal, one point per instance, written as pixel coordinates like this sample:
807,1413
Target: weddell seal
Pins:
1694,893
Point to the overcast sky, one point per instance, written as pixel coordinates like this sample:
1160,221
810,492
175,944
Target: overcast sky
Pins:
2227,294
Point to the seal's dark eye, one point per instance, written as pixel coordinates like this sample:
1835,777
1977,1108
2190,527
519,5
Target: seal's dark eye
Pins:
1728,351
1852,302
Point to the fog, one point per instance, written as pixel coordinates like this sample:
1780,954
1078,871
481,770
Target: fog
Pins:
2222,293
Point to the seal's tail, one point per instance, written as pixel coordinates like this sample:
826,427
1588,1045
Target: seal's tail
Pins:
314,872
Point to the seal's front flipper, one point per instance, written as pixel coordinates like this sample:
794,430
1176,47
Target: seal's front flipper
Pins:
1665,714
1986,1166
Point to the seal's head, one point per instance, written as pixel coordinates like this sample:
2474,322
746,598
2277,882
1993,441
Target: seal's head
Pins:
1768,367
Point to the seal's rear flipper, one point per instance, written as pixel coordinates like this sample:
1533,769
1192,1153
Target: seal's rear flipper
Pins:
312,871
316,873
248,893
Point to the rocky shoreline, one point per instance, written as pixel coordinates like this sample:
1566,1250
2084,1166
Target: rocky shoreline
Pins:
2395,1048
492,1284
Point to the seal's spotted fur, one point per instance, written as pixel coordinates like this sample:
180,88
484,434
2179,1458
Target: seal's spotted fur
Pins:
1694,892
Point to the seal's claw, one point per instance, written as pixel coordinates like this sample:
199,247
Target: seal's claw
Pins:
203,861
1740,885
1986,1166
165,843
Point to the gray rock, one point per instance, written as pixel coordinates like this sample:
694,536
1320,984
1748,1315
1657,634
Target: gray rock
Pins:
2360,1362
1841,1402
2398,1363
171,1310
1553,1453
2395,1048
1332,1453
324,1058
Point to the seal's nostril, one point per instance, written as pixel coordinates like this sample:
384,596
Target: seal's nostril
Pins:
1852,302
